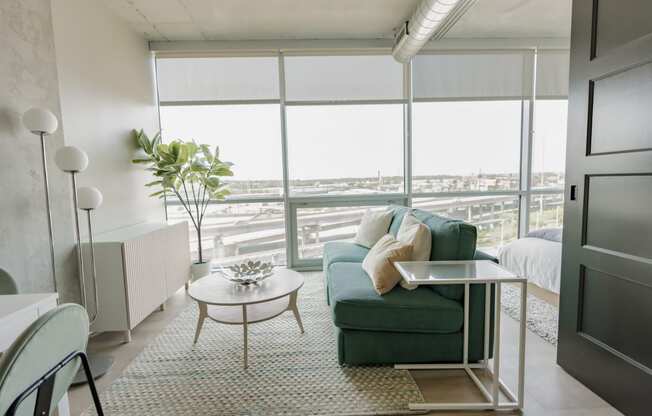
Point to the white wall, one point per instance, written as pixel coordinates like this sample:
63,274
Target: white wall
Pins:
106,81
28,78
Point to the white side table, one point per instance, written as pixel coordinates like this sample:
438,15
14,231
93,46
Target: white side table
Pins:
468,273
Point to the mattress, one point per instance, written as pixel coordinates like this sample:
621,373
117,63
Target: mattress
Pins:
535,258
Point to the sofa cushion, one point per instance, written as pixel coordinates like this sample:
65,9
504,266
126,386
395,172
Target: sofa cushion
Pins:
356,305
343,252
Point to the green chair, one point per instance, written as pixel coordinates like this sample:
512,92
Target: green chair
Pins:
7,284
37,369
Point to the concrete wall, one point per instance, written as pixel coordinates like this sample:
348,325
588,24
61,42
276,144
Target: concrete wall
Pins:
106,80
95,74
28,78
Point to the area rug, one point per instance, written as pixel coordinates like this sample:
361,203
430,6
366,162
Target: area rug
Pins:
542,317
289,373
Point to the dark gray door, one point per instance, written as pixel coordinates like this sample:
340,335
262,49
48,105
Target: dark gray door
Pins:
606,291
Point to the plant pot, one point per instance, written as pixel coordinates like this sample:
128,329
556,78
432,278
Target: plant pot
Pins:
199,270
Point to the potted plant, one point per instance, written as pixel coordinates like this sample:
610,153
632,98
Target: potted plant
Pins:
189,172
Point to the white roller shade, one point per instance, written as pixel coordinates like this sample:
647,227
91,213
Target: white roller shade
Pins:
461,75
552,73
324,78
217,79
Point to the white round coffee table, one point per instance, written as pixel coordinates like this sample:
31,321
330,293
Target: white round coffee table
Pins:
234,304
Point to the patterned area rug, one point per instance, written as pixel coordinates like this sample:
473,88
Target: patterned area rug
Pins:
542,317
289,373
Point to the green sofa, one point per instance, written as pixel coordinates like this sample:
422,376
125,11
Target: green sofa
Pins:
419,326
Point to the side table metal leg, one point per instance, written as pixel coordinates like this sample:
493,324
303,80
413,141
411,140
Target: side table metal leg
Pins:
203,313
465,352
496,372
244,326
295,309
487,323
521,347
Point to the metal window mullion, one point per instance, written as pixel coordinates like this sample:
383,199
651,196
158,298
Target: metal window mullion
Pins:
242,200
463,194
346,200
289,216
160,128
407,135
186,103
527,139
546,191
379,101
467,99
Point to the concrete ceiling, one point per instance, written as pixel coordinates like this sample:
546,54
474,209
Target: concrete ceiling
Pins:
330,19
515,19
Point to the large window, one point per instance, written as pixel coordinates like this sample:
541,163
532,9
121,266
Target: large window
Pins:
549,144
496,217
345,149
317,140
452,154
318,225
546,211
234,232
249,136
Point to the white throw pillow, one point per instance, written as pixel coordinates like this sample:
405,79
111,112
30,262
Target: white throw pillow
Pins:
373,226
415,233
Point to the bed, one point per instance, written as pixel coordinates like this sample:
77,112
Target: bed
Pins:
537,257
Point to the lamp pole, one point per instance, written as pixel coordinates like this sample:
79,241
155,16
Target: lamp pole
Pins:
80,257
46,185
41,122
89,199
73,160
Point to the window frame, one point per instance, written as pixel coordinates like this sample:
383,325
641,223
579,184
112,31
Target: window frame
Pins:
293,203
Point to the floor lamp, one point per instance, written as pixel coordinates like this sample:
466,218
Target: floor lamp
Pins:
73,160
42,122
89,199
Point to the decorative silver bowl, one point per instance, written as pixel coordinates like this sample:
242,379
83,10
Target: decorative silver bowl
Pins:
249,272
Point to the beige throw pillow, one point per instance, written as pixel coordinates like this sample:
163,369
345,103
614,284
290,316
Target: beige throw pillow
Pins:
379,262
415,233
373,226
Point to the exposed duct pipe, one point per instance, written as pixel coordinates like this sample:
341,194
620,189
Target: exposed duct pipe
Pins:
431,20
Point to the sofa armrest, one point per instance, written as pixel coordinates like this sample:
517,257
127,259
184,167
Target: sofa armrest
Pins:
481,255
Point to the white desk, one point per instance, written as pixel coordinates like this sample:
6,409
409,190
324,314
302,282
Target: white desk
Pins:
468,273
17,312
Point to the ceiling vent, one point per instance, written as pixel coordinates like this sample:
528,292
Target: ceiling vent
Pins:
431,20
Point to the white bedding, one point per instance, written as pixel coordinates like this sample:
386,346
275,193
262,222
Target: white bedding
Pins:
537,259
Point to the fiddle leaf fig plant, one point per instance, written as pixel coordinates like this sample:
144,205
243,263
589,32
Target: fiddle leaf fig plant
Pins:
190,172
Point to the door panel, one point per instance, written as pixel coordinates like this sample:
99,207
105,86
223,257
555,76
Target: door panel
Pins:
620,107
606,285
611,310
617,226
611,31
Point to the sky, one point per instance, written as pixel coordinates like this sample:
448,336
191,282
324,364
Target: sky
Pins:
452,138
